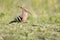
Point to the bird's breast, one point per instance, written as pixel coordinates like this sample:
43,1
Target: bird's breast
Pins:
24,16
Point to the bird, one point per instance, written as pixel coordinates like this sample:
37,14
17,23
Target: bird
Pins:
17,19
23,16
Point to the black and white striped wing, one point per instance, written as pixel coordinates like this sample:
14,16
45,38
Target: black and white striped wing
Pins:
18,19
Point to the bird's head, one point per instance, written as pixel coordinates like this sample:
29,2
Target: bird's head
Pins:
25,9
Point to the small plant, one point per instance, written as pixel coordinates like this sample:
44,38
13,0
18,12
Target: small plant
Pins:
2,14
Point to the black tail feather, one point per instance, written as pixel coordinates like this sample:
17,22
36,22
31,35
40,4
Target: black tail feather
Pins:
18,19
12,22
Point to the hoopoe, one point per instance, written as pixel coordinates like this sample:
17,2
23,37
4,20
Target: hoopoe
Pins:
23,17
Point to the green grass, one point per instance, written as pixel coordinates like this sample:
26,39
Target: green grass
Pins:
43,24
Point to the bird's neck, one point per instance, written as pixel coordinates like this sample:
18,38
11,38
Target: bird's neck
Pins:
24,15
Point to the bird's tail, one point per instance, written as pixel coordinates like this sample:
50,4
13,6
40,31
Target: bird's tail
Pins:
12,21
18,19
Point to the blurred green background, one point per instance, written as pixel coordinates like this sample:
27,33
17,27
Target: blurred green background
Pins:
43,24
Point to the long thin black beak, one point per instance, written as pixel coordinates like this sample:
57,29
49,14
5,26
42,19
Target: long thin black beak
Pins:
25,10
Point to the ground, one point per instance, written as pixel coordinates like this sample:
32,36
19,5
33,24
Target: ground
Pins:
43,24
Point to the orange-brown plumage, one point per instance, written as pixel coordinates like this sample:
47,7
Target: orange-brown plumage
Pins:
23,17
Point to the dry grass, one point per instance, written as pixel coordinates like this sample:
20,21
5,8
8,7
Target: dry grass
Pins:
43,24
